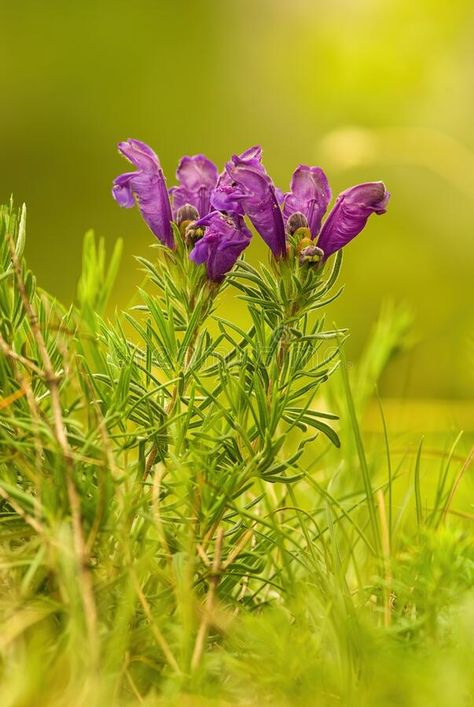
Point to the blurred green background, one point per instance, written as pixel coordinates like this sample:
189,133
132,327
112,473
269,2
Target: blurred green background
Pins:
368,89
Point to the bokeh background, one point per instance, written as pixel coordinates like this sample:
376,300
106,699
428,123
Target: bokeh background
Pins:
368,89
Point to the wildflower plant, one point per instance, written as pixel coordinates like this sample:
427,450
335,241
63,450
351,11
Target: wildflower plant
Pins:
168,473
230,416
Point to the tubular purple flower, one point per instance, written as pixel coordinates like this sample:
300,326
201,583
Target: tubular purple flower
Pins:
148,186
197,177
225,196
224,240
310,195
259,200
350,213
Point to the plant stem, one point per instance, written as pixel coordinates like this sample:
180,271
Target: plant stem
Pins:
210,601
52,381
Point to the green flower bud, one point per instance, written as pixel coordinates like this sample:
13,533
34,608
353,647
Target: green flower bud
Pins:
311,255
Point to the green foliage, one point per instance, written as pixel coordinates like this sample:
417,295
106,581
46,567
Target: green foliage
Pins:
185,520
96,281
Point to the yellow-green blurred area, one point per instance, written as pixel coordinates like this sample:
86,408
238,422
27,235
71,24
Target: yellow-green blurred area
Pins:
368,89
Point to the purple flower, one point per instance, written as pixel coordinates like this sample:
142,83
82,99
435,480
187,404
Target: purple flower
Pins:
197,178
225,196
255,192
310,195
224,240
148,186
350,213
306,203
243,189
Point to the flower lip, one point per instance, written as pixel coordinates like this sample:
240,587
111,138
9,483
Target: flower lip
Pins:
225,198
122,192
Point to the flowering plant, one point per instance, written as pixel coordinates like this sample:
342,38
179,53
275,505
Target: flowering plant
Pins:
201,221
173,437
281,361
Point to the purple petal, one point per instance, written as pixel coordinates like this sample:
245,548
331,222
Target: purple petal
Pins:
148,185
139,154
252,156
259,201
310,195
196,172
350,213
224,240
226,195
197,177
200,252
122,191
280,196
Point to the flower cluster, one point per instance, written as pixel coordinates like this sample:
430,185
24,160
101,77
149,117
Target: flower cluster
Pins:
209,207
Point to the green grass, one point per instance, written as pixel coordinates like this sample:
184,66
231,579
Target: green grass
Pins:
184,521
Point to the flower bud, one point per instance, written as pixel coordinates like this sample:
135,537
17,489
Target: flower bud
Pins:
311,255
186,213
295,222
186,216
